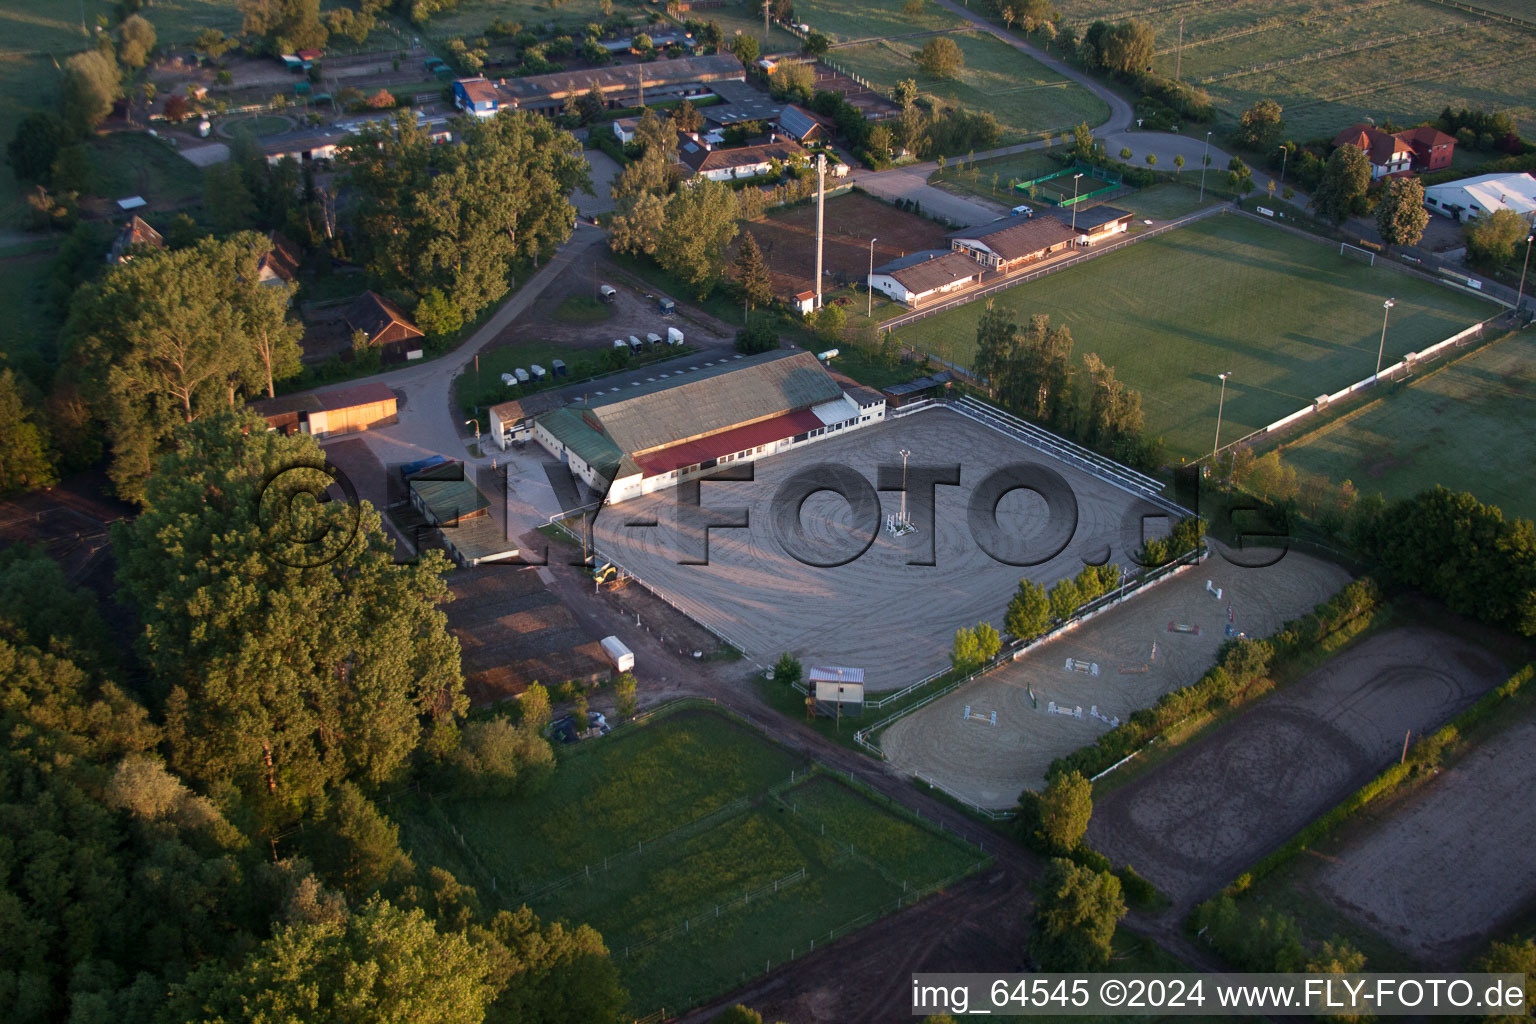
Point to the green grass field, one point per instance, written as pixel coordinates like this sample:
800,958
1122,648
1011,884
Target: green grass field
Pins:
842,20
744,19
652,786
1287,316
32,319
1026,98
1460,426
1403,60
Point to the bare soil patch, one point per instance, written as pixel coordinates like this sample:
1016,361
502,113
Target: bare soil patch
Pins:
1201,818
788,241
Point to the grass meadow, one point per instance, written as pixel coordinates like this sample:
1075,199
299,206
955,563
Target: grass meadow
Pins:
1460,425
1289,317
1026,98
679,820
844,20
1403,60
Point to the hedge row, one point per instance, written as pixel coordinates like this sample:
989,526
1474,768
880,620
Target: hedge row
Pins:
1241,664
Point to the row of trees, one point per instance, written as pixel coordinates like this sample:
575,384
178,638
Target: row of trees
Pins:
156,873
1030,371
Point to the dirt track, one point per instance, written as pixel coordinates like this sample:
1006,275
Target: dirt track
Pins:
1200,819
991,764
1451,862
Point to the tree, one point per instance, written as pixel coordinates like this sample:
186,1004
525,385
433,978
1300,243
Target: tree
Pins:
212,43
700,223
548,972
1125,152
1494,241
356,846
966,655
941,58
624,693
787,669
457,217
284,26
536,712
380,964
1064,599
1261,127
1029,612
135,40
995,345
26,463
1065,807
830,323
1128,47
687,117
291,651
1076,911
90,87
1341,190
988,642
905,93
816,45
1151,159
745,48
752,273
757,336
1178,163
1517,956
35,146
1400,214
437,315
226,198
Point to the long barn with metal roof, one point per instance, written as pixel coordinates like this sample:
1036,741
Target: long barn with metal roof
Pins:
644,438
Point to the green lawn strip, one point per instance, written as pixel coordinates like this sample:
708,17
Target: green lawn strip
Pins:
32,316
1419,435
581,309
872,372
1026,97
126,164
478,392
1288,316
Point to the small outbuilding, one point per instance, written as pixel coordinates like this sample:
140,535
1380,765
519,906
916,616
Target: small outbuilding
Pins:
925,275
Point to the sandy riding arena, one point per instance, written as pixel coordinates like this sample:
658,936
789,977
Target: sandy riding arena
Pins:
991,764
1202,818
877,611
1453,861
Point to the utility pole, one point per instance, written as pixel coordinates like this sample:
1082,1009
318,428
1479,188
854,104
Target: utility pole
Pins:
766,4
1205,162
1386,311
869,282
1178,58
821,202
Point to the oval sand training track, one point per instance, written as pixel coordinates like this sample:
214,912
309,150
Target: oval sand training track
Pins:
1208,813
991,765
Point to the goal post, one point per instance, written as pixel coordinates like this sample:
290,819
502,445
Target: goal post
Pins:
1353,251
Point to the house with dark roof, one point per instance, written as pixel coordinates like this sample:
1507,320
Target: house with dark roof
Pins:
641,439
618,84
385,323
920,276
802,125
744,162
305,146
1096,223
135,234
1013,241
449,500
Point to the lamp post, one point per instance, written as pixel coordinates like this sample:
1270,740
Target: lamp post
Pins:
1386,311
1205,162
869,282
904,453
1220,404
1520,297
476,422
1285,154
1074,202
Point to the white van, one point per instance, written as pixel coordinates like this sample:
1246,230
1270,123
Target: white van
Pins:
622,657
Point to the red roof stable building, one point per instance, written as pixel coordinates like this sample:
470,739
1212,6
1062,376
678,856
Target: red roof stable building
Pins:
641,439
135,234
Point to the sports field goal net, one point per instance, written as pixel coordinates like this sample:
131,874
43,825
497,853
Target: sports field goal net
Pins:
1355,252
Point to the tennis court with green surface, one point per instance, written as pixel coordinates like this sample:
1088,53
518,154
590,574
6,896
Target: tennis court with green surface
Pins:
678,820
1288,317
1462,426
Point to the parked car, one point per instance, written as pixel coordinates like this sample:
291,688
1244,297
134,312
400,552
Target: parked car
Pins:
1023,211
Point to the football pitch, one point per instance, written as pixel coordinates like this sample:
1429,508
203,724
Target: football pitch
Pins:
1458,426
696,818
1287,316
